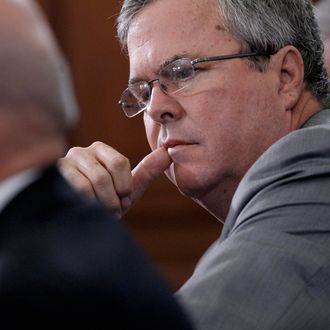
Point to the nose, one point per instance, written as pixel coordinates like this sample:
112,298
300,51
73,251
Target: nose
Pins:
163,107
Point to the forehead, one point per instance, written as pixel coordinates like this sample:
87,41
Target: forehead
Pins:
166,28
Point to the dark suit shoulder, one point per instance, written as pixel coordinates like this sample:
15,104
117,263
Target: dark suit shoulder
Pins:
63,257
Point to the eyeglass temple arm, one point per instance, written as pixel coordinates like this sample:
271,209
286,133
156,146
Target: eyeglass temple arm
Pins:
227,57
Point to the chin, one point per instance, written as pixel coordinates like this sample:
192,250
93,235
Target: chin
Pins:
189,184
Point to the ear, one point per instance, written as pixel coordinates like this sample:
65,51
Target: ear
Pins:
290,67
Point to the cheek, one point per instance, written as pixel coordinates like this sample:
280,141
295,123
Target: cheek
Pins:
152,131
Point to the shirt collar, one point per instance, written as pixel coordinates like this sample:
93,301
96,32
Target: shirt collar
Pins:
11,186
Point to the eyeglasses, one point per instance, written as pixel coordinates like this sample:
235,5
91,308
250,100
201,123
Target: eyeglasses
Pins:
173,78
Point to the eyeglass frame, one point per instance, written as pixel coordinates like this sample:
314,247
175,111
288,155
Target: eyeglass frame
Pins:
194,62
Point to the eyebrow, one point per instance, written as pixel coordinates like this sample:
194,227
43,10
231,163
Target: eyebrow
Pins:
166,62
173,58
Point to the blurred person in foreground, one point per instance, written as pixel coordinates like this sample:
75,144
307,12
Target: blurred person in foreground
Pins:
235,102
63,261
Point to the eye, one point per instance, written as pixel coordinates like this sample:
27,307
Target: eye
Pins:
141,91
182,72
145,95
179,70
129,103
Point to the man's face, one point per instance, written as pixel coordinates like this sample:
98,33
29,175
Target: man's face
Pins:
232,113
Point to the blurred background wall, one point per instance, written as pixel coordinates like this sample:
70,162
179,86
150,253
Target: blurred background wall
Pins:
173,230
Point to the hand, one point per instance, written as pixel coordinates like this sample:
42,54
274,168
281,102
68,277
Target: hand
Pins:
102,172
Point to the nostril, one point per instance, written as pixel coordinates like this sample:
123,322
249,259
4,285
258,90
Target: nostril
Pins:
167,115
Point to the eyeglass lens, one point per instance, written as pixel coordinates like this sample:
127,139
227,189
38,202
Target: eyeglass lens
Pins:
172,78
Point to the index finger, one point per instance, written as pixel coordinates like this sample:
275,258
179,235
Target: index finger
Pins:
148,170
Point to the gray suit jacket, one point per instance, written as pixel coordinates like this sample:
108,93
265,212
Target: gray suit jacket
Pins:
270,269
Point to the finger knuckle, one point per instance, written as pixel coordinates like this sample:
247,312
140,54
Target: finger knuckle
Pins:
120,162
96,145
101,179
74,152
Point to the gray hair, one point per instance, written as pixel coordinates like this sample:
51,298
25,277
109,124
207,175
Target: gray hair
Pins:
263,26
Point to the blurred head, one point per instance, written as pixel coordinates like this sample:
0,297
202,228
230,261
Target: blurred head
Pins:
232,110
37,104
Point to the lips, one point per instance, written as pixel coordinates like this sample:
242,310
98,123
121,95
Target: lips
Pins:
173,143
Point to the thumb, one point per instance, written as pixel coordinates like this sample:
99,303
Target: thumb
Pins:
148,170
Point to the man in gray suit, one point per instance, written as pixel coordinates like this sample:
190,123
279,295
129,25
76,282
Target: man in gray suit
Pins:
234,97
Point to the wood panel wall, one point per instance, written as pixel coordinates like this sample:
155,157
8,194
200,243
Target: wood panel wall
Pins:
172,230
